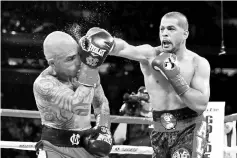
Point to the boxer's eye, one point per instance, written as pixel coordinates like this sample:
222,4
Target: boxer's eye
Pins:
71,58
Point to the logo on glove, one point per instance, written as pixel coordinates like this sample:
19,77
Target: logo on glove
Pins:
169,63
75,139
105,137
92,61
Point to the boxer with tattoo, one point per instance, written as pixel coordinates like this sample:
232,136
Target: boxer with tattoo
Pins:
177,80
65,93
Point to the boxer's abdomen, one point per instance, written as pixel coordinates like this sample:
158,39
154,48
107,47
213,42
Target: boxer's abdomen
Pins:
166,101
162,94
78,118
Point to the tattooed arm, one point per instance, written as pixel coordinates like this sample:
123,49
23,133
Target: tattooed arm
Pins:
50,90
101,107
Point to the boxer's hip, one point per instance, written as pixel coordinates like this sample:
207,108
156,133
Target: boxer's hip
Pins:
175,120
62,138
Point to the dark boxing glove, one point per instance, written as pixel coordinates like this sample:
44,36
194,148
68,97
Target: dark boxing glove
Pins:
95,46
99,142
167,64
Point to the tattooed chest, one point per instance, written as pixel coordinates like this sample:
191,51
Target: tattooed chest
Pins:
61,106
64,119
54,112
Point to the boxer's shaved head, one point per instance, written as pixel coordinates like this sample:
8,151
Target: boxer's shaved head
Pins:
58,44
182,19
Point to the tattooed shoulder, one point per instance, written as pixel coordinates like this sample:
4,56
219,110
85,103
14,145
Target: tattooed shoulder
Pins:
45,85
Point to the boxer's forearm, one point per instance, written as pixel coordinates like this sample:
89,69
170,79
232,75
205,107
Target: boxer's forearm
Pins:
61,96
102,115
195,100
119,46
101,108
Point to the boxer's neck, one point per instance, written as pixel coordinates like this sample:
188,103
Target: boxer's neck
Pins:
63,78
180,52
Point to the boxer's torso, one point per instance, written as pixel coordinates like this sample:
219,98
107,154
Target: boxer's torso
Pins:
78,118
162,94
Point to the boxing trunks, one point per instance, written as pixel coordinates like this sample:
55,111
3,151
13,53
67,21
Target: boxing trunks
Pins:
57,143
178,134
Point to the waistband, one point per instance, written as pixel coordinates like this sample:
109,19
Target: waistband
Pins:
62,138
175,120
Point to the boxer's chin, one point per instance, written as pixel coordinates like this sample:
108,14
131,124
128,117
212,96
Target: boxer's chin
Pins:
74,74
167,48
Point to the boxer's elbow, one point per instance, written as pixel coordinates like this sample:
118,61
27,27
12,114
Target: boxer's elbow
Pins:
197,99
201,108
200,105
197,102
204,99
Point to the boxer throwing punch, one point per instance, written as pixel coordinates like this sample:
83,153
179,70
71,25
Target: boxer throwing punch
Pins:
64,93
177,80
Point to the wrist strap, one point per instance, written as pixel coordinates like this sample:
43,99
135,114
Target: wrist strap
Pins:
179,84
88,77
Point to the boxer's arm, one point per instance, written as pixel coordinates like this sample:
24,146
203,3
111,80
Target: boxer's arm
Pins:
139,53
197,97
101,107
56,94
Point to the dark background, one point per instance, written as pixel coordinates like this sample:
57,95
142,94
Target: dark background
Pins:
24,25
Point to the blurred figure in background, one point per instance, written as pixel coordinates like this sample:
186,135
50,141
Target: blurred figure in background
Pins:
134,134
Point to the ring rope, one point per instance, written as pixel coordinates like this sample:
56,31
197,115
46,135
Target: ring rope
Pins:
119,149
116,149
114,118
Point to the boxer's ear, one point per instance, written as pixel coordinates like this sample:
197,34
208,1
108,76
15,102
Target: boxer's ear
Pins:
186,33
51,63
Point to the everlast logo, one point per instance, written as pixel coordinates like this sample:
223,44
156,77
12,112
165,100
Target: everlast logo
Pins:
96,50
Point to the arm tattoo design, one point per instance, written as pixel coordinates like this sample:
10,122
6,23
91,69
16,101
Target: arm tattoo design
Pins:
101,108
100,102
55,93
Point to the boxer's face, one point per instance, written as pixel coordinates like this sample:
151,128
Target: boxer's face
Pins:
171,34
68,64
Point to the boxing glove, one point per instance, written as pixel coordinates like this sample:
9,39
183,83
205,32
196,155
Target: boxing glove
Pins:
99,142
167,64
95,46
